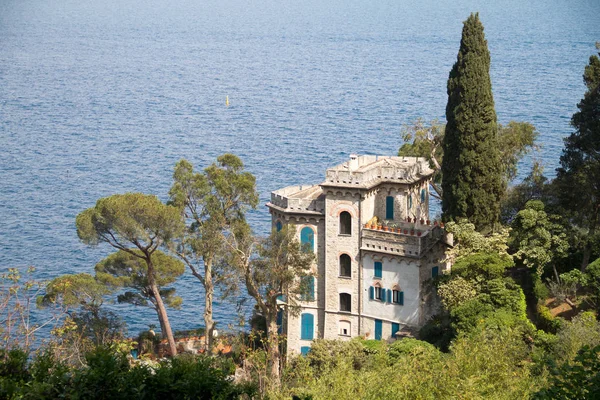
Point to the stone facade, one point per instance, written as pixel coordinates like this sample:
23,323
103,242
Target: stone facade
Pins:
357,262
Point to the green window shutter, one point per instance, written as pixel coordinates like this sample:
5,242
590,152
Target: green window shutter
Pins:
435,271
389,296
278,226
395,329
307,239
389,207
423,195
371,292
378,269
307,327
401,298
304,350
378,329
311,288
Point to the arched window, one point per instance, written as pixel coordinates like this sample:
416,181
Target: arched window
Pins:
307,239
376,292
307,327
345,266
345,223
278,226
345,302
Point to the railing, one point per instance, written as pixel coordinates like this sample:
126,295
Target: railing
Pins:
405,240
297,204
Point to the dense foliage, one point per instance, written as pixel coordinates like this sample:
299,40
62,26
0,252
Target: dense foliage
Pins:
110,375
578,178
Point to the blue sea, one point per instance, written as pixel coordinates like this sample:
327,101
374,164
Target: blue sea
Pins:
104,97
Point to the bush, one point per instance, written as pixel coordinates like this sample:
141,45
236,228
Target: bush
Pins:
482,265
409,347
438,331
546,320
583,330
579,379
540,290
108,375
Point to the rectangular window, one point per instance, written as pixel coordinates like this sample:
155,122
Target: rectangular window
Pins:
389,207
307,326
378,269
378,329
379,293
398,297
395,329
435,271
345,302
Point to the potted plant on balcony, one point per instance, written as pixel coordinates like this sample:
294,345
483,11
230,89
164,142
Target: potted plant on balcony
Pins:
379,226
385,226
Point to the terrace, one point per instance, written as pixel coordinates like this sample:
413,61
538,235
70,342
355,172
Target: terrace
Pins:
406,239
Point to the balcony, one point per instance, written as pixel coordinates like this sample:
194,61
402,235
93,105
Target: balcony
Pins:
298,199
409,240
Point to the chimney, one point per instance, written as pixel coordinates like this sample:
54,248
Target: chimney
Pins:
353,166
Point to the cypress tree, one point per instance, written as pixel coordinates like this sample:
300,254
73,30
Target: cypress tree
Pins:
471,171
578,178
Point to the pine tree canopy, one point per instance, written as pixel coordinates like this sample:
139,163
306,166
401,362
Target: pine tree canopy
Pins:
578,178
472,174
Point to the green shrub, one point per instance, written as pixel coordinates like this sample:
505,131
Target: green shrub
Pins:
409,347
482,265
540,290
438,331
579,379
546,320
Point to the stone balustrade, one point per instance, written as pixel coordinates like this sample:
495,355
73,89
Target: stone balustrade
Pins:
406,240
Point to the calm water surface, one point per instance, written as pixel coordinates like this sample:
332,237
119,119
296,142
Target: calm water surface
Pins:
98,98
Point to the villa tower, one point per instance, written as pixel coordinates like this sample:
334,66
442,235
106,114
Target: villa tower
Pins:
376,250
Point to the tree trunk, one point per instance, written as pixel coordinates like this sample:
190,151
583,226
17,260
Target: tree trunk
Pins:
209,289
555,273
273,340
161,311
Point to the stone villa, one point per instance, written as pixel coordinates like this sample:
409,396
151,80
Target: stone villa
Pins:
376,250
